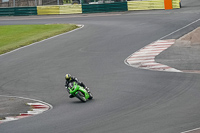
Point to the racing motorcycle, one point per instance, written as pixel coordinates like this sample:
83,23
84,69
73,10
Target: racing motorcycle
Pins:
79,92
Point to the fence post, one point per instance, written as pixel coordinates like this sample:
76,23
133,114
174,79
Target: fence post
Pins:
13,3
35,2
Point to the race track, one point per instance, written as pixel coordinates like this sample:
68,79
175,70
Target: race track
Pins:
126,99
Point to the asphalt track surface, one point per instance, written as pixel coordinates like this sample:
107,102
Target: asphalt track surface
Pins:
126,99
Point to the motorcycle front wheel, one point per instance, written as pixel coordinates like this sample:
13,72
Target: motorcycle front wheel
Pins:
81,96
91,95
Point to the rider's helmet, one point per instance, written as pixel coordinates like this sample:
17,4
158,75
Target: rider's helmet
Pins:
68,76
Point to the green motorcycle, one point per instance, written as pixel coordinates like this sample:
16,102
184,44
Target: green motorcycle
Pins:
79,92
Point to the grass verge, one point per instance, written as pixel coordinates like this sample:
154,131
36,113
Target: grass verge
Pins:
16,36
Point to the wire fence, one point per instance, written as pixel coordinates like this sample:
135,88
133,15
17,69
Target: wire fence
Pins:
29,3
101,1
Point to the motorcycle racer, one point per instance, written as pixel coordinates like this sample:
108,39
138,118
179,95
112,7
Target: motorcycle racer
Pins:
70,79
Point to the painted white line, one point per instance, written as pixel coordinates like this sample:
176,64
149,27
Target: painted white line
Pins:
43,40
179,29
35,104
191,130
143,58
141,61
160,66
34,112
153,63
163,43
147,52
144,55
10,118
156,48
152,50
172,70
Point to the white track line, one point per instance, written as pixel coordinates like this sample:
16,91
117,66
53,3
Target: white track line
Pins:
179,29
191,130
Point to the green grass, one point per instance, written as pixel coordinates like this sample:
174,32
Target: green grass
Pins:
16,36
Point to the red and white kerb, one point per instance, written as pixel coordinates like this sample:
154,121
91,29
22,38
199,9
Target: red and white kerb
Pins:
37,108
145,57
